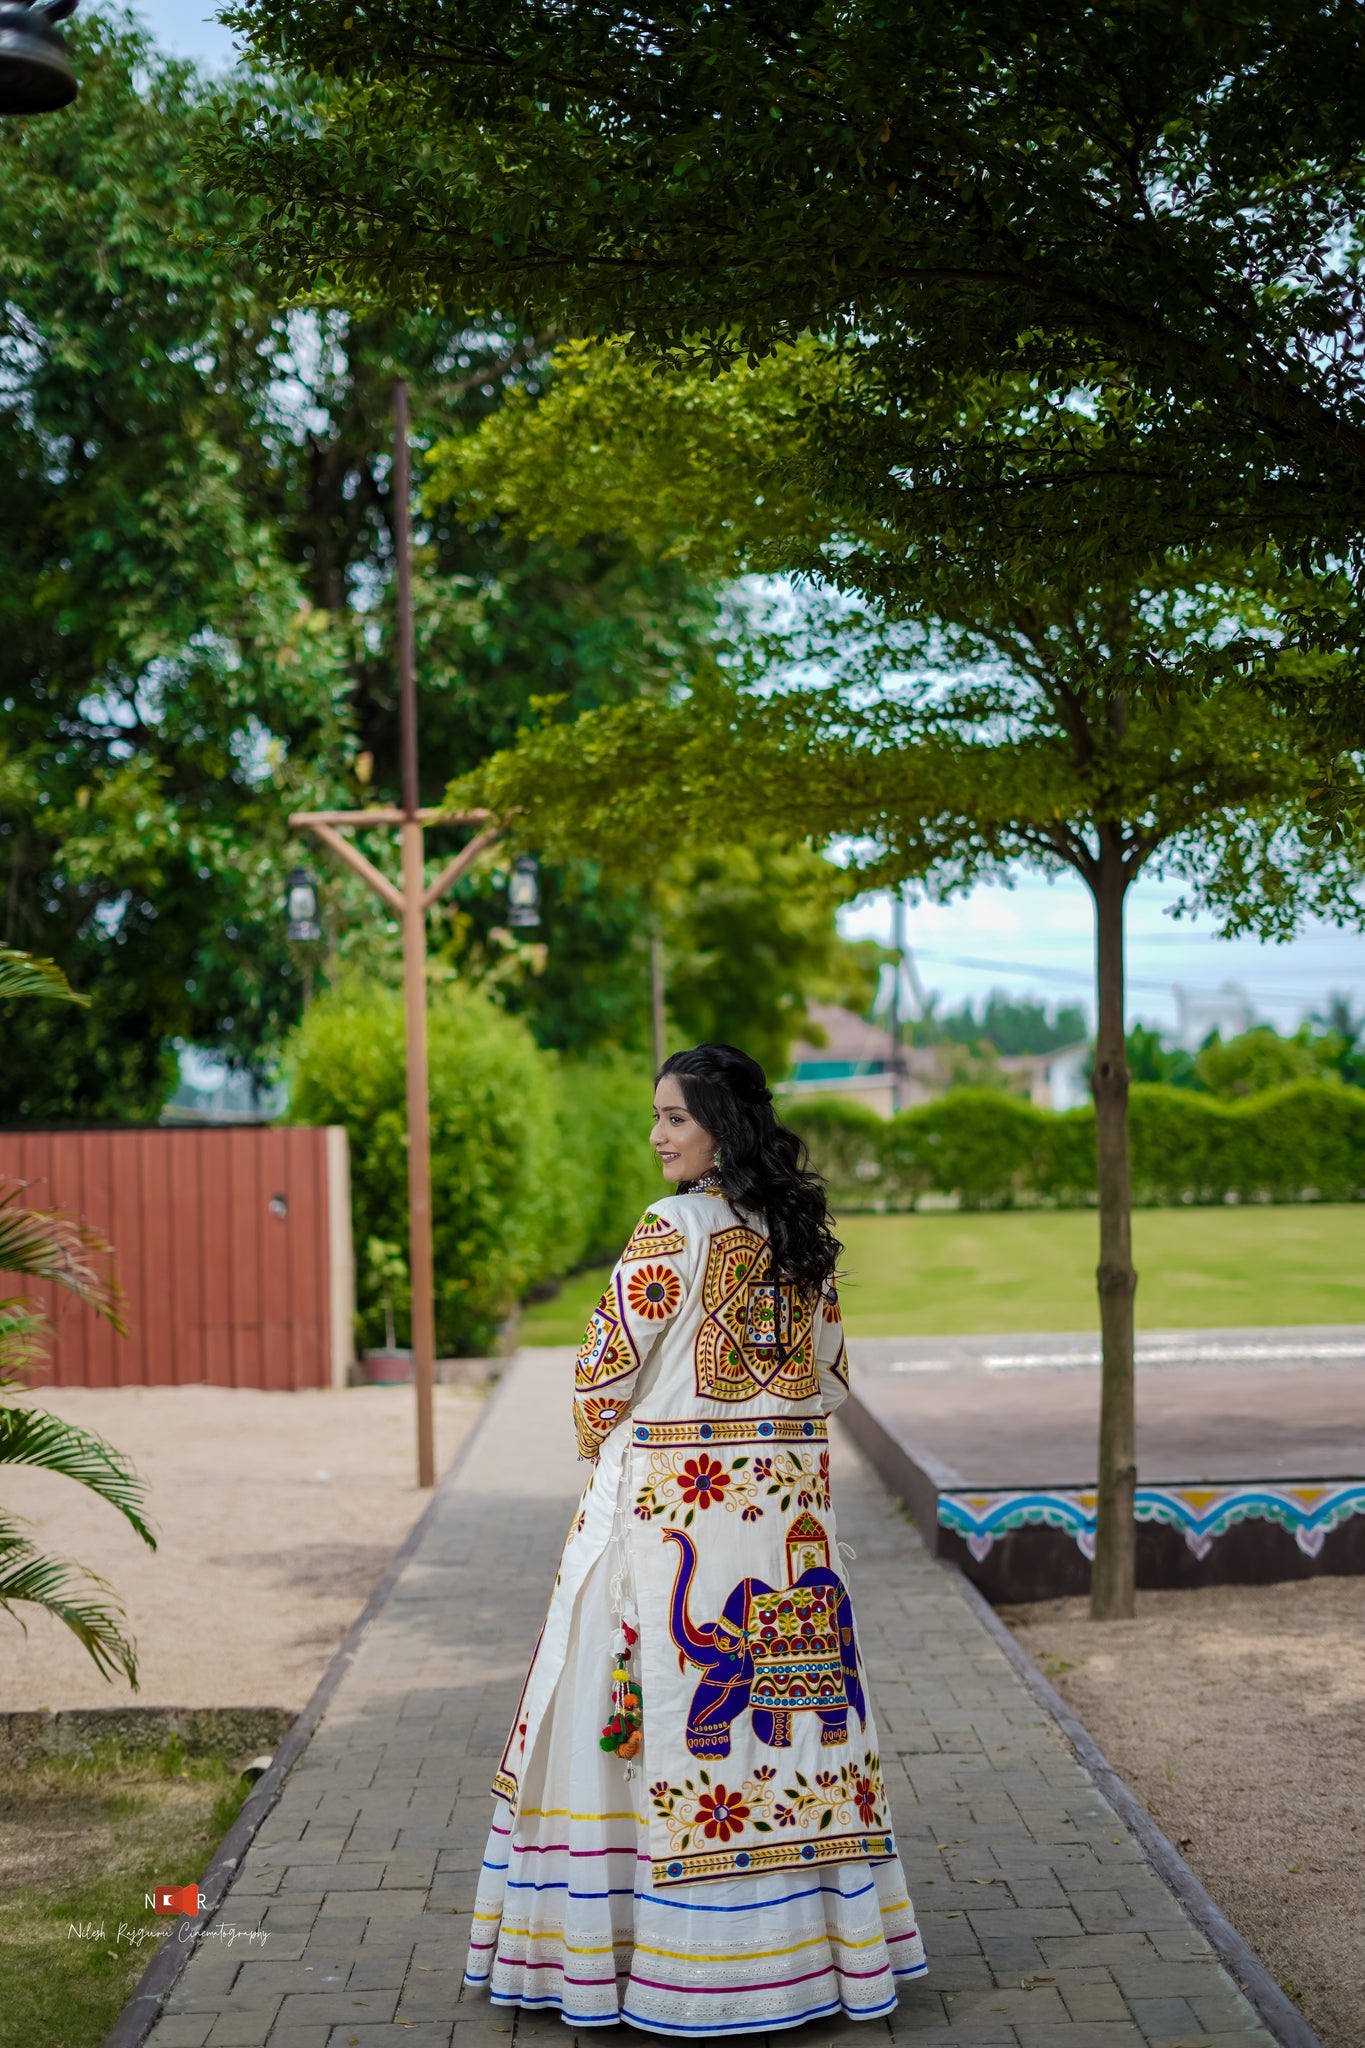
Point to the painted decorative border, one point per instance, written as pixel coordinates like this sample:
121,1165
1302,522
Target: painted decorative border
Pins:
1308,1508
746,1430
671,1870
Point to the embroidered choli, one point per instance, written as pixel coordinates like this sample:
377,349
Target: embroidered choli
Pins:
693,1324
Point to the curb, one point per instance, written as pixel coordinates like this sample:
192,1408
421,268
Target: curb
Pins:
157,1981
1276,2012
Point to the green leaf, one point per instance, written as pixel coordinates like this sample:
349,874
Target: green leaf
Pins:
23,975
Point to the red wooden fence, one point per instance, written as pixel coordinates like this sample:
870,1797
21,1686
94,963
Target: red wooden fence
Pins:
232,1245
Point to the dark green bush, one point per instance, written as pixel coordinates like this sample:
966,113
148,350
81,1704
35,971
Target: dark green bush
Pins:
493,1146
607,1172
987,1150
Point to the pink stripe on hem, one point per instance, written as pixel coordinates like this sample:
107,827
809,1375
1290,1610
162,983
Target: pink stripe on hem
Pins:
507,1964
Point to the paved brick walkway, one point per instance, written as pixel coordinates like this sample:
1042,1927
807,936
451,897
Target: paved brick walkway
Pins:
1044,1926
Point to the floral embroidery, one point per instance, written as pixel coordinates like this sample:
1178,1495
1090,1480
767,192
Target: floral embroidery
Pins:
797,1476
853,1793
698,1811
677,1489
839,1365
833,1312
797,1479
594,1420
703,1480
606,1352
653,1237
654,1293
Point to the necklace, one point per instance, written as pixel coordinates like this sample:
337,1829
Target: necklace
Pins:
709,1184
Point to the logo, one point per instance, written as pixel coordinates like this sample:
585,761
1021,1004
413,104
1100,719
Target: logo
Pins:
174,1898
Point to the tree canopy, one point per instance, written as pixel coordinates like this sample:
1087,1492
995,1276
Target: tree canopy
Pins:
952,699
957,696
198,624
1157,200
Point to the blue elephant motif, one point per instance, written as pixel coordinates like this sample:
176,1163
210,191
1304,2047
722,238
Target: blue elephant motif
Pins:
773,1651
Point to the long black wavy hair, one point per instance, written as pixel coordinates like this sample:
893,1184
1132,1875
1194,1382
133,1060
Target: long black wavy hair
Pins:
764,1167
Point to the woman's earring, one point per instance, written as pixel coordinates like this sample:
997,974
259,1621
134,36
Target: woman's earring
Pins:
716,1160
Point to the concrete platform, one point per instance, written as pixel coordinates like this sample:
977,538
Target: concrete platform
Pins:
1251,1452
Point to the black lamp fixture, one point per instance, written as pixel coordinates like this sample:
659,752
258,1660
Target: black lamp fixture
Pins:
35,71
523,893
301,906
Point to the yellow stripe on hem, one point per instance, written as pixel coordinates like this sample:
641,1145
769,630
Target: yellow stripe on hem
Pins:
566,1813
759,1955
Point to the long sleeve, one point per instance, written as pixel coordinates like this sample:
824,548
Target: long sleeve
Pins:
644,1293
831,1358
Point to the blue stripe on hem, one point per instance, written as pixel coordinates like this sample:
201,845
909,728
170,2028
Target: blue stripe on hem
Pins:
762,2026
756,1905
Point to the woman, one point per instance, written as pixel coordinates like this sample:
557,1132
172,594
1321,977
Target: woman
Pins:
691,1830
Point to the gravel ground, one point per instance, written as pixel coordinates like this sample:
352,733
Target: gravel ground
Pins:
276,1515
1237,1715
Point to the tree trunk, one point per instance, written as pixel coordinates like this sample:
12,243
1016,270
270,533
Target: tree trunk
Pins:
1111,1581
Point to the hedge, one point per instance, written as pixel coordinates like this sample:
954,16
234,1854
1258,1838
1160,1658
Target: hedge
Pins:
989,1150
538,1164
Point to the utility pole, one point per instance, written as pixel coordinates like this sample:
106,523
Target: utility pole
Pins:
412,902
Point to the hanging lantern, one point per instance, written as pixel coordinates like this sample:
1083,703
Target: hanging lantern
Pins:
35,71
523,893
301,907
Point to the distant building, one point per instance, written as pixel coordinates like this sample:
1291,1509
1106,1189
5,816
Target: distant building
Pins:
1226,1010
858,1063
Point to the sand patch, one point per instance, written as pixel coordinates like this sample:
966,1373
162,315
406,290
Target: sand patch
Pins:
276,1514
1237,1715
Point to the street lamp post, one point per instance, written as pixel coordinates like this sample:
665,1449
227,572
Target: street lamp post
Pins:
523,894
412,902
35,71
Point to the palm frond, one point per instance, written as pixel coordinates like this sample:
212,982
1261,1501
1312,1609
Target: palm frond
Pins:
24,1331
34,1436
64,1589
49,1246
23,975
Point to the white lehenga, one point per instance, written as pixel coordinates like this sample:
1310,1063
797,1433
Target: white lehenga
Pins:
740,1875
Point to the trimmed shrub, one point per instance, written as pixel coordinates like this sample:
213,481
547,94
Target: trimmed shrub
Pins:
847,1142
493,1146
607,1173
988,1150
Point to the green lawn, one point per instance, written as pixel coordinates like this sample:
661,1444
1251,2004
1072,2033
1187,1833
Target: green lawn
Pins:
958,1275
81,1843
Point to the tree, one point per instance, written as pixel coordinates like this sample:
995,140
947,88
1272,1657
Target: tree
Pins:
1150,1060
1260,1059
1151,200
197,608
750,936
1010,1025
158,665
42,1244
957,706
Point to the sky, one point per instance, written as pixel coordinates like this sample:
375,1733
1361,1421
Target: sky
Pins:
185,28
1037,939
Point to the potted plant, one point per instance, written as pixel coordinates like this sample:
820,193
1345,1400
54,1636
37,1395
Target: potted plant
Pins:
387,1272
